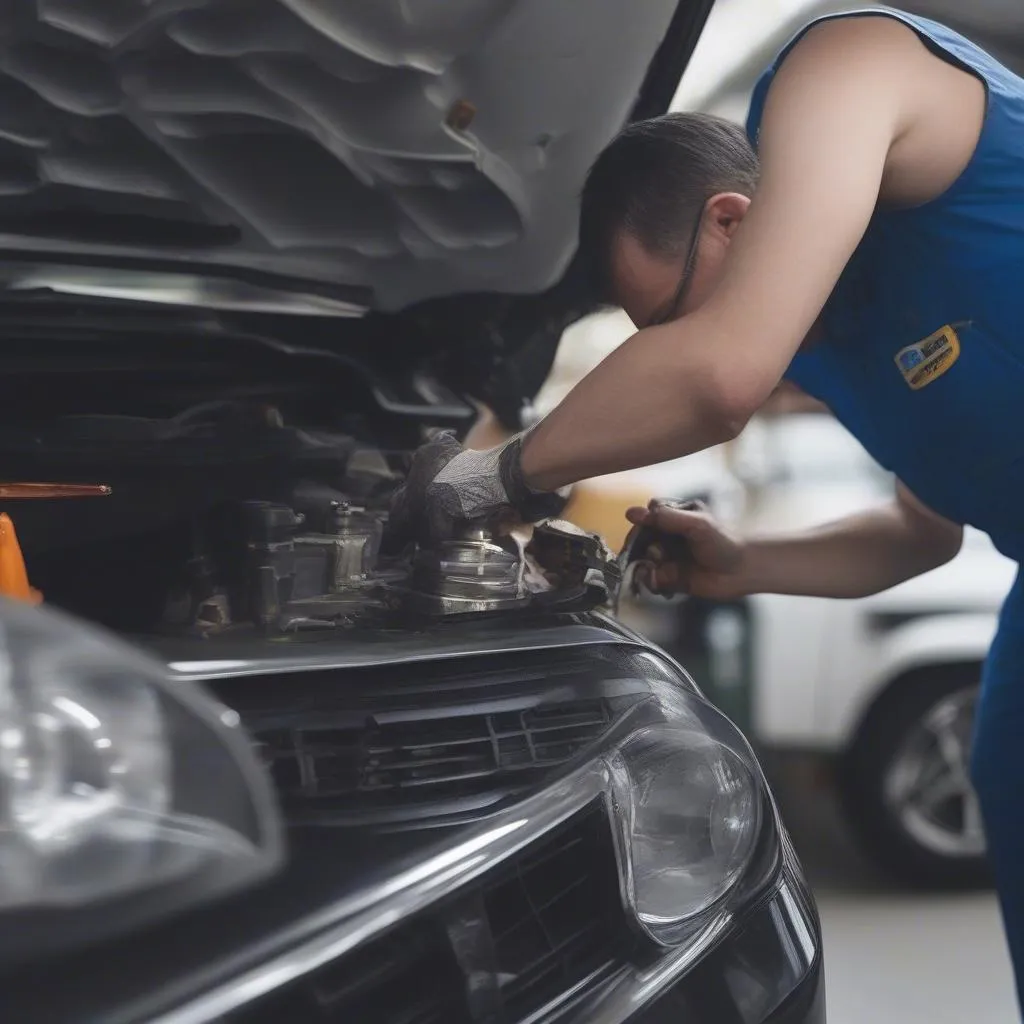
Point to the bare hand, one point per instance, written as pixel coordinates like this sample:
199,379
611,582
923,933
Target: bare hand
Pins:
714,568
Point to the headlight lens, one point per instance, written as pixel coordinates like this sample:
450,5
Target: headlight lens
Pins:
115,782
690,803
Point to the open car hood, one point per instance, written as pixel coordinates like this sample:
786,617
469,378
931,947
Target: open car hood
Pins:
390,151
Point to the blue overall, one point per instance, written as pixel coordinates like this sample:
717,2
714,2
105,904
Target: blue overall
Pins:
922,359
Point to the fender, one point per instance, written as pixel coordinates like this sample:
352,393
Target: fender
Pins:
941,639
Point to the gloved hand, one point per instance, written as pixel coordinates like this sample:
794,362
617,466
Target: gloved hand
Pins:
449,484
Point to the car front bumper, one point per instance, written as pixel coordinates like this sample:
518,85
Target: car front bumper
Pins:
520,917
761,965
766,968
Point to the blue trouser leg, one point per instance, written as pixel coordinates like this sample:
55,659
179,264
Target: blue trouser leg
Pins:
997,769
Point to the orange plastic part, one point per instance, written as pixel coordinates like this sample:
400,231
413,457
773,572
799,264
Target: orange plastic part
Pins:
13,574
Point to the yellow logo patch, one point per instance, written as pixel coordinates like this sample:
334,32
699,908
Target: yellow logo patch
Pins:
927,360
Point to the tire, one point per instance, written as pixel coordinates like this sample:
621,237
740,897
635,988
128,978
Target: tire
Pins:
911,809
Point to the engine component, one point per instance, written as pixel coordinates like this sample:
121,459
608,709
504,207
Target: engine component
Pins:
356,542
301,580
581,571
313,561
562,568
289,578
475,572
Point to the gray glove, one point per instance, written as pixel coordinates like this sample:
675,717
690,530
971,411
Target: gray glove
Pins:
448,484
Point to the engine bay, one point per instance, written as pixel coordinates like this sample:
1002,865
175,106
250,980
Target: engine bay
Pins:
227,519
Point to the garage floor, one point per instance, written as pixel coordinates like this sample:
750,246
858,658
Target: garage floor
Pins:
892,957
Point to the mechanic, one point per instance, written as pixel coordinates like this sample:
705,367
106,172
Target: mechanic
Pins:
863,240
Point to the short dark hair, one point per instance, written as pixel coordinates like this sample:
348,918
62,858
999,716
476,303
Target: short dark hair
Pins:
651,181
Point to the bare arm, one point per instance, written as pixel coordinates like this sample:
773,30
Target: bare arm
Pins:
854,557
859,555
838,104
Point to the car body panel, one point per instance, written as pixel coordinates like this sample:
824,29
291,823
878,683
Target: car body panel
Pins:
342,890
433,642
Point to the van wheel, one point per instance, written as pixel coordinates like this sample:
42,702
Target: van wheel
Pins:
905,783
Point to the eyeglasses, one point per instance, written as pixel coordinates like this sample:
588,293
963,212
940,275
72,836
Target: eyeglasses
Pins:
687,277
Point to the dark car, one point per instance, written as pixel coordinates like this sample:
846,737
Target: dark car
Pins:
251,255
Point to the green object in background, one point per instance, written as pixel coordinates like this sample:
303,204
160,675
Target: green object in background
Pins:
727,630
714,644
711,640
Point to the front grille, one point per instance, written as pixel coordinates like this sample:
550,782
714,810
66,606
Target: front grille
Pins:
486,731
315,760
477,745
551,919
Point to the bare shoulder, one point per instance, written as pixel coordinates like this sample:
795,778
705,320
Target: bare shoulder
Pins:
853,66
875,38
937,107
875,47
839,45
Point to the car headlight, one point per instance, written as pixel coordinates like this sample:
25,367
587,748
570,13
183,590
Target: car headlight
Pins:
691,808
116,782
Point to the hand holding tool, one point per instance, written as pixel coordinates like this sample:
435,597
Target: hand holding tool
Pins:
646,543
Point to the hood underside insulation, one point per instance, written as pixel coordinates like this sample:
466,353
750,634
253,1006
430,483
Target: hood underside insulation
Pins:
408,148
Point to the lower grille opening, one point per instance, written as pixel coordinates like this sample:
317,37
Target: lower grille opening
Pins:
554,919
556,915
408,977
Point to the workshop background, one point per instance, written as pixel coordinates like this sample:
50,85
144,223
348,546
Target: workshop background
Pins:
893,955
